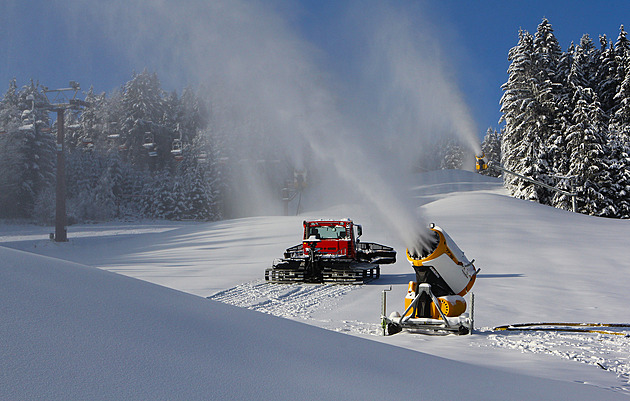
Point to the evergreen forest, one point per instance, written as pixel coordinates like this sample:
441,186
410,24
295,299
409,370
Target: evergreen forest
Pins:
566,117
139,153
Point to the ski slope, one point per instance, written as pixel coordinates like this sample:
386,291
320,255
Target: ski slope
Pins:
77,331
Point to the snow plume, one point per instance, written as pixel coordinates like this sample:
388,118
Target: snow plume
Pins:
417,96
273,93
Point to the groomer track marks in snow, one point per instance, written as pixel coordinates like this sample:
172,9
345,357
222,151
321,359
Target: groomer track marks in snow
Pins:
283,300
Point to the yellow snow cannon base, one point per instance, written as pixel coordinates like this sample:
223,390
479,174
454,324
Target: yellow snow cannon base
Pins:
451,305
394,323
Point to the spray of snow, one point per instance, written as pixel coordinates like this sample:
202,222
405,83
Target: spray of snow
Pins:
418,98
273,93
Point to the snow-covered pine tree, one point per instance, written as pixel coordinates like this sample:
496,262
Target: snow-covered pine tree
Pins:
157,196
619,127
92,122
35,150
9,111
606,77
521,108
622,52
81,173
118,184
579,74
194,117
619,190
141,130
549,93
199,196
491,147
10,156
586,153
104,199
180,204
620,119
570,69
453,155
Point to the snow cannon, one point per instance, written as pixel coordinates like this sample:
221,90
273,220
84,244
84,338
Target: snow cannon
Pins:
482,162
435,300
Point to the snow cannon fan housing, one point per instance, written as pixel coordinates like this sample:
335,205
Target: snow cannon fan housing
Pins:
440,263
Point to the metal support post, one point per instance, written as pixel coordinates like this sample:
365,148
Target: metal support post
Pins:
384,310
472,312
60,103
61,233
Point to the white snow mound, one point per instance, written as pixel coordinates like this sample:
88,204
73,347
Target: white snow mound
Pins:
74,332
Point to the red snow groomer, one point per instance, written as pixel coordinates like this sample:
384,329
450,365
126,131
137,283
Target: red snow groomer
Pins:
331,252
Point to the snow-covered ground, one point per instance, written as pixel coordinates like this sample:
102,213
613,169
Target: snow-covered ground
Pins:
73,330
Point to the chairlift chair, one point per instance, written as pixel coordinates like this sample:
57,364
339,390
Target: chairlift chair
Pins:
149,141
177,147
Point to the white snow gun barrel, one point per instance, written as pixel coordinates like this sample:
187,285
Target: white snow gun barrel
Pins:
435,300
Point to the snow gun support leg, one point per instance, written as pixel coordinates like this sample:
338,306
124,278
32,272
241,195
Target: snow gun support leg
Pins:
384,310
426,312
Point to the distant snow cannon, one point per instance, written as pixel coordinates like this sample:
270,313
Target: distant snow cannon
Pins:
482,162
435,300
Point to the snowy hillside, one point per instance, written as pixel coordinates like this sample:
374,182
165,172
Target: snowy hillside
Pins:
75,332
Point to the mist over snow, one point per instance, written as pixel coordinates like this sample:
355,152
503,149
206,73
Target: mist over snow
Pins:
277,95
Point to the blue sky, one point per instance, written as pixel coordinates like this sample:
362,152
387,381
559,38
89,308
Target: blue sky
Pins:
42,40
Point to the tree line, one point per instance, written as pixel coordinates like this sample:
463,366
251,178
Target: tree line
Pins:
142,152
139,153
566,118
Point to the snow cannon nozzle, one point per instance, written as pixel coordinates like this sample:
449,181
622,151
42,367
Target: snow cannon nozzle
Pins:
482,162
423,246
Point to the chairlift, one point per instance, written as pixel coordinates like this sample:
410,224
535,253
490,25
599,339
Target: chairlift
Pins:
299,179
88,143
109,128
177,147
149,141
